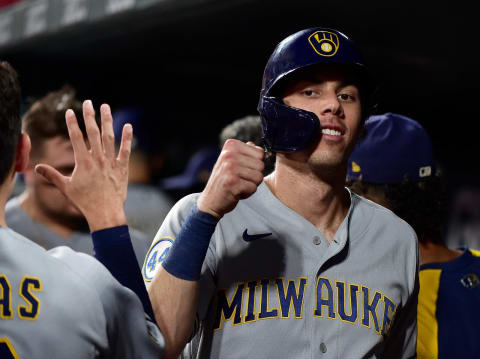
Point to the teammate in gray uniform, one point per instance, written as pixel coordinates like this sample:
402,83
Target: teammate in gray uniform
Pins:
42,213
63,304
293,265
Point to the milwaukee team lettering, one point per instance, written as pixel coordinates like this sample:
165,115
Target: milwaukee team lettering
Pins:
350,303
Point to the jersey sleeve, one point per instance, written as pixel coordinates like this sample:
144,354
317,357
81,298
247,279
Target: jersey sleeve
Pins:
162,243
130,333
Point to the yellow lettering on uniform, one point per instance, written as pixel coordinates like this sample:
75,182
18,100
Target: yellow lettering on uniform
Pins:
7,348
5,298
324,300
226,309
31,310
342,299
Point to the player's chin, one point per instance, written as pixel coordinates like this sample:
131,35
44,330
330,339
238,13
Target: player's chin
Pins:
72,212
326,161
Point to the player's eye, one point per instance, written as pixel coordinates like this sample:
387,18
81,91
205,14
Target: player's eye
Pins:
309,93
345,97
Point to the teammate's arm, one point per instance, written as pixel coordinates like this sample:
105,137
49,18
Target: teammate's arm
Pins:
175,289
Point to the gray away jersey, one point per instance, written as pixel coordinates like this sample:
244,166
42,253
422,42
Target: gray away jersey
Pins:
63,304
18,220
272,286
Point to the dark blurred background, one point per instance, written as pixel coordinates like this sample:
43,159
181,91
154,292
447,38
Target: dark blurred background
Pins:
199,63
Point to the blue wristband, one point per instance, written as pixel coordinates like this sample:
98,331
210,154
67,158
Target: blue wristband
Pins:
113,248
185,258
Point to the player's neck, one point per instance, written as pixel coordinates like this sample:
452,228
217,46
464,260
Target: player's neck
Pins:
5,190
435,253
30,207
323,203
3,202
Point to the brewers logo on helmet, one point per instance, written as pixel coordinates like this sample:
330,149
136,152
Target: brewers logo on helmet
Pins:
325,43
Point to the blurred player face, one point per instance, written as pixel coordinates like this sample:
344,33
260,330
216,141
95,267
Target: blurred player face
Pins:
58,153
336,102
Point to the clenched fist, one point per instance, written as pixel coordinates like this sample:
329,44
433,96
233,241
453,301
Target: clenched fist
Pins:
235,176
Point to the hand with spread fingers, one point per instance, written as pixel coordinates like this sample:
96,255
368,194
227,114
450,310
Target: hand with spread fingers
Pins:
98,184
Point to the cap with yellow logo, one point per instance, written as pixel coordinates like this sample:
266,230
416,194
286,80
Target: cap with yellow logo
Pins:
394,148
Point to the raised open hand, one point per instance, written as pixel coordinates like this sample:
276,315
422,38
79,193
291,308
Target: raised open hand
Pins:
98,184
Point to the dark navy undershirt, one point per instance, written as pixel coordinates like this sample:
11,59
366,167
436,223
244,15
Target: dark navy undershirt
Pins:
113,248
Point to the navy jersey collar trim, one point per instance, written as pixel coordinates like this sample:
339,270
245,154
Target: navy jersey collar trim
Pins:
464,260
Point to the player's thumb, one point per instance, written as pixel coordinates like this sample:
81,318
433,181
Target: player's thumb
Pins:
51,175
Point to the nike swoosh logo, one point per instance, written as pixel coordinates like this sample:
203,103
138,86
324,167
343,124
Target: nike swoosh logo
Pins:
253,237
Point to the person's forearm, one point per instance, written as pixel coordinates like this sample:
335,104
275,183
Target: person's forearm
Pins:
174,289
113,248
174,302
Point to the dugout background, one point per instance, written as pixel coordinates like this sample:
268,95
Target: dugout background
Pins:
200,62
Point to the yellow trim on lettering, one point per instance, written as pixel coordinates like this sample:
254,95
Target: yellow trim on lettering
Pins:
10,347
29,307
347,289
370,315
268,300
229,302
315,308
9,293
247,302
297,291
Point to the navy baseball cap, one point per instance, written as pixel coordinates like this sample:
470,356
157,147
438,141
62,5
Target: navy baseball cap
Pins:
202,160
394,148
146,128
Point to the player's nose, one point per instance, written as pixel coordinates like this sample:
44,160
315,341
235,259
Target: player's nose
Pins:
330,104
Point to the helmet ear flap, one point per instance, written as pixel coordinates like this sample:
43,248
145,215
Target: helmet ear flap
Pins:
285,128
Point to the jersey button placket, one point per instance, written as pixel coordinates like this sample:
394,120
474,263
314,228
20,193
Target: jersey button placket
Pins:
316,240
323,348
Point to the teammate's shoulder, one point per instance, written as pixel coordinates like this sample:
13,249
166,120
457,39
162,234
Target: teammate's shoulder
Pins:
13,211
85,268
12,203
79,263
21,243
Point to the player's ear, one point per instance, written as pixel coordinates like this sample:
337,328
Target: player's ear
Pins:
23,152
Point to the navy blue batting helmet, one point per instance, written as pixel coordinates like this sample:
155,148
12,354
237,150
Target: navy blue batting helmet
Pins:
289,129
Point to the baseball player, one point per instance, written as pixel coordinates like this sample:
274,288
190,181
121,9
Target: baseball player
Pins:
60,303
403,178
293,265
42,213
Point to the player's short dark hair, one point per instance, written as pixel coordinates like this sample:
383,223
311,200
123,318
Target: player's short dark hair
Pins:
248,128
423,205
45,118
10,124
